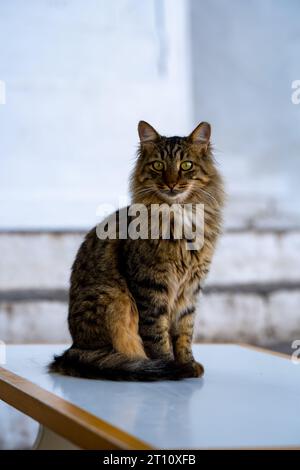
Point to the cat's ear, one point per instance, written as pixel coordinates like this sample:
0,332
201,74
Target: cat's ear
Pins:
201,134
147,133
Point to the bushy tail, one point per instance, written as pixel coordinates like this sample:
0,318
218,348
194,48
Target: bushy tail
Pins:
107,364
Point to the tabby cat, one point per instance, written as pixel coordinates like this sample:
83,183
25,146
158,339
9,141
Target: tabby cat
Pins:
132,301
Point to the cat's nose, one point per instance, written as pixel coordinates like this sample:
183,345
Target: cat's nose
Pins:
171,185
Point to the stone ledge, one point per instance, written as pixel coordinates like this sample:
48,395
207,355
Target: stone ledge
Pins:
61,295
43,260
250,318
34,322
258,318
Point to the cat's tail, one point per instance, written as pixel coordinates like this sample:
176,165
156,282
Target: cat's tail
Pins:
107,364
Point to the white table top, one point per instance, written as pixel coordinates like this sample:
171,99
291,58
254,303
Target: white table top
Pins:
246,399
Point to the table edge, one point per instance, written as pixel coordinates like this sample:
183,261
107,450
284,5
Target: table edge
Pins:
66,419
263,350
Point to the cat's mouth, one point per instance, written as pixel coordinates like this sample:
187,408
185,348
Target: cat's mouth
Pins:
173,195
171,192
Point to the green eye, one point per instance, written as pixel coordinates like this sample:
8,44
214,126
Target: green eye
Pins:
186,165
157,165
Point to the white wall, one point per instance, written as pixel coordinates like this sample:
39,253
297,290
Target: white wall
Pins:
79,75
245,56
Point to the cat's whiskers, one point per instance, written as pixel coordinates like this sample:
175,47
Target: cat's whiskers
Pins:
144,192
195,191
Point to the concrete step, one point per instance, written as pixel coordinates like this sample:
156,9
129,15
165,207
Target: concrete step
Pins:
35,260
225,315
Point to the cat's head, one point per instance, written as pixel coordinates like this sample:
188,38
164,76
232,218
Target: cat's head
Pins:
174,169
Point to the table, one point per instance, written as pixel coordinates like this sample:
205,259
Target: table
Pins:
248,398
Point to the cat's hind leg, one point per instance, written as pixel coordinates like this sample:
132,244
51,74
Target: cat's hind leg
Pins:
123,325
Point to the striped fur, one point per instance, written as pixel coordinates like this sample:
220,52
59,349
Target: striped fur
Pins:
132,302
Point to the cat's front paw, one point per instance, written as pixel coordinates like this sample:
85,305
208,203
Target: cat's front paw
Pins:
198,369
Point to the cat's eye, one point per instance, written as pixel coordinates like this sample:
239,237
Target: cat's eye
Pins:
157,165
185,166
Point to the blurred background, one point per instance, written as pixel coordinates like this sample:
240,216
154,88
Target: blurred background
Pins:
78,77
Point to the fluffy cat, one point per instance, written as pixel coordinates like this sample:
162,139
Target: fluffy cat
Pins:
132,301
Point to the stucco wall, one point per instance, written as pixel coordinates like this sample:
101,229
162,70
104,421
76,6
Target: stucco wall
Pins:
245,56
79,76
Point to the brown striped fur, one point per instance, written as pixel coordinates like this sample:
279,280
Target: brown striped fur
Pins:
132,302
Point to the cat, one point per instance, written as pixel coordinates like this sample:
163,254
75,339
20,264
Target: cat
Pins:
132,301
